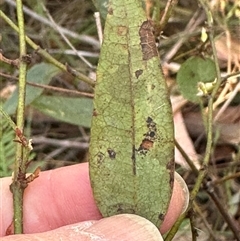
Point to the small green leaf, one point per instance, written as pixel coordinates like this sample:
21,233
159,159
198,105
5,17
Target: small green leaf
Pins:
192,72
39,74
77,111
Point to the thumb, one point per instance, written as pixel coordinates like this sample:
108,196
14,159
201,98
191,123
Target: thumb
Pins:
129,227
123,227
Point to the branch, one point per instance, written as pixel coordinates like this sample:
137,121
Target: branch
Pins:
47,56
17,187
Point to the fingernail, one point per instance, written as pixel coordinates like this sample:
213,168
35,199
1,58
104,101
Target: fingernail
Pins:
128,227
183,184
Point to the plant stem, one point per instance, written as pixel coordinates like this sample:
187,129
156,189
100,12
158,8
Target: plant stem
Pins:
16,186
167,13
205,5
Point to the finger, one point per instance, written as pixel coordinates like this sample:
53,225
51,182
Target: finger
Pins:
178,204
116,228
58,197
61,197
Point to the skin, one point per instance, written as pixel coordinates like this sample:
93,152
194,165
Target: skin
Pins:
59,204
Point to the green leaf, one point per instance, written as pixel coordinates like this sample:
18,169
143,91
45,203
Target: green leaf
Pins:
102,7
132,147
193,71
7,149
39,74
77,111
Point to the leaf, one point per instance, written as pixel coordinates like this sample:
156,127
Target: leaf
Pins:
193,71
131,148
7,149
40,74
77,111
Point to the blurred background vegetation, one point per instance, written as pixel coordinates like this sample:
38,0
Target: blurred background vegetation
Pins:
59,105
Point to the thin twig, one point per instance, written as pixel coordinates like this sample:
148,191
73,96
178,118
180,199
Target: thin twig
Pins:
226,178
185,35
175,227
54,153
167,12
61,90
72,52
84,38
227,88
186,157
60,143
196,19
47,56
52,88
58,29
226,104
14,62
210,231
235,75
99,26
224,212
193,225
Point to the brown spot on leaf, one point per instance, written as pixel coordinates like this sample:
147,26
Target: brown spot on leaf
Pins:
110,11
138,73
27,58
161,216
147,39
171,180
100,158
149,120
170,166
146,144
123,208
122,30
149,137
134,160
95,112
111,153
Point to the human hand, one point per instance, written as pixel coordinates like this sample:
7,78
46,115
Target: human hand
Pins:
59,199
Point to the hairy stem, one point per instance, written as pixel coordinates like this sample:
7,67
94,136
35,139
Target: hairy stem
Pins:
47,56
16,186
